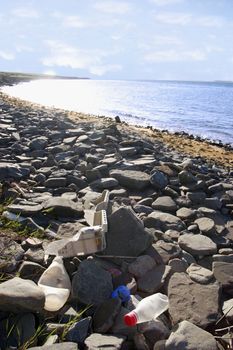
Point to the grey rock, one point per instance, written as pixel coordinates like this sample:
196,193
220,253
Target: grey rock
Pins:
223,272
11,254
19,295
126,234
136,180
64,207
215,188
188,336
107,183
197,244
178,265
227,309
138,208
206,225
187,301
164,203
25,209
164,221
141,265
98,341
199,274
91,284
167,250
185,213
35,255
154,279
158,180
105,315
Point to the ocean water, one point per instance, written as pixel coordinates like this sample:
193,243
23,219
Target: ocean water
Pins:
198,108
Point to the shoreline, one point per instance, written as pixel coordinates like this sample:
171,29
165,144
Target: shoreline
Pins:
178,141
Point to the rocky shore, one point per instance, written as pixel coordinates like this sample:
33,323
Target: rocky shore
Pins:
170,230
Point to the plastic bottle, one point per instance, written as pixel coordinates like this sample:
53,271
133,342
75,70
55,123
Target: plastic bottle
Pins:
56,285
147,309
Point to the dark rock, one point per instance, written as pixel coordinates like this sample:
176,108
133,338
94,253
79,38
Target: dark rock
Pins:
38,143
78,331
126,235
164,203
31,271
223,272
186,178
158,180
54,182
153,280
105,315
11,254
12,171
91,284
141,265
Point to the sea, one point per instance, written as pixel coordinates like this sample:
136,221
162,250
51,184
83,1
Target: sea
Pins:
203,109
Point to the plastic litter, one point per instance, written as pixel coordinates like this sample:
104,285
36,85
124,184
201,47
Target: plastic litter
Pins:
56,285
121,292
147,309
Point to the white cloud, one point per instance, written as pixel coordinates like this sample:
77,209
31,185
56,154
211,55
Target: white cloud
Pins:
74,22
7,56
166,2
63,55
25,13
166,40
181,18
115,7
175,56
24,48
173,18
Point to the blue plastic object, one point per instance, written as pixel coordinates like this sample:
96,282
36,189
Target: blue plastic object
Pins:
121,292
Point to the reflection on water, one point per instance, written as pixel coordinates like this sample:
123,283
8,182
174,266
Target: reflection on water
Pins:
203,109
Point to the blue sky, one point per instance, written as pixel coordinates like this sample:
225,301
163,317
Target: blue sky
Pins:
119,39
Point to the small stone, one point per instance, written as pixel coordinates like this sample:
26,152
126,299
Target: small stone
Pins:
178,265
167,250
97,341
185,213
186,178
196,197
78,331
199,274
158,180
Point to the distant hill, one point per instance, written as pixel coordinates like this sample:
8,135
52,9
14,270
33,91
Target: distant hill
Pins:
11,78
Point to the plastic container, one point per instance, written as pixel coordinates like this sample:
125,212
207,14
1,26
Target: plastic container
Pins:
147,309
56,285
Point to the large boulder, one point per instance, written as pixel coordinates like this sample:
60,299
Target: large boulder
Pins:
19,295
197,244
126,234
190,337
132,179
64,207
191,301
91,284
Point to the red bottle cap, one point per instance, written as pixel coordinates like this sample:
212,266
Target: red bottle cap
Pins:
130,319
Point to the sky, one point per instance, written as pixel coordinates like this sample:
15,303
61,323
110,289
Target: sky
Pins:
118,39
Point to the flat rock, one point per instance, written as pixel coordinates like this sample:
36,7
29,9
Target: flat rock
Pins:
60,346
188,300
190,337
185,213
197,244
206,225
223,272
99,341
107,183
154,279
164,221
91,284
12,171
164,203
132,179
199,274
64,207
25,209
19,295
126,234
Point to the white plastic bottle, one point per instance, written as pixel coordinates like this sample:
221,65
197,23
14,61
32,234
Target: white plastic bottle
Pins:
147,309
56,285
